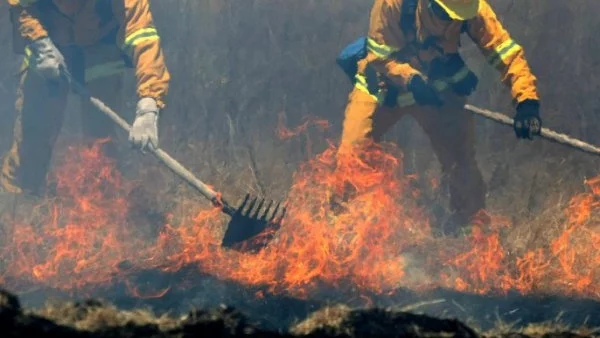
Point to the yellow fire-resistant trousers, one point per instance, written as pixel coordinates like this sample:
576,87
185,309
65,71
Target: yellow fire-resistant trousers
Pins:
451,131
40,110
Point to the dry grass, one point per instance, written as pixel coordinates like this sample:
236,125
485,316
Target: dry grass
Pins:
541,329
344,321
239,64
250,62
94,316
96,319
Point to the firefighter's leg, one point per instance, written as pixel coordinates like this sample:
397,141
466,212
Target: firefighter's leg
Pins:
40,111
104,78
451,131
365,123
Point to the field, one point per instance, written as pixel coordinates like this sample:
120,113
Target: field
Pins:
256,105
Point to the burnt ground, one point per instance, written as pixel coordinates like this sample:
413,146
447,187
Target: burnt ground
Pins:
98,319
194,310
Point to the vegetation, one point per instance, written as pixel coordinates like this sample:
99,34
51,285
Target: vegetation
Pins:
242,69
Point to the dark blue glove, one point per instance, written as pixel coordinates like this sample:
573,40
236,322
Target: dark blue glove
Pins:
466,86
449,66
527,121
424,93
391,96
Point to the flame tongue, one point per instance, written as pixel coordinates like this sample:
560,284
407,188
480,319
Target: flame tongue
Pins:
84,236
381,240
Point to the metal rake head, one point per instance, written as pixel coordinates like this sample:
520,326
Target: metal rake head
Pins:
253,224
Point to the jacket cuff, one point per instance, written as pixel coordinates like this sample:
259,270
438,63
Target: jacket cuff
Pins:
526,97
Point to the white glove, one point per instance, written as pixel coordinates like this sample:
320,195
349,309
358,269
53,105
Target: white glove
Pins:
144,131
47,60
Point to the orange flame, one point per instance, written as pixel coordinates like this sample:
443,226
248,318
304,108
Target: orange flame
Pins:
84,236
285,133
381,240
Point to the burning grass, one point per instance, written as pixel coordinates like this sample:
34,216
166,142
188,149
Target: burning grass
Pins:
86,240
381,234
381,242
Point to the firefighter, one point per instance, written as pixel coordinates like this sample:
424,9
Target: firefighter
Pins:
95,41
410,65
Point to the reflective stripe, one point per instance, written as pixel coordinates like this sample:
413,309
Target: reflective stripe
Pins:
440,85
502,52
404,100
25,3
105,70
408,99
137,37
25,63
460,75
381,51
361,84
92,73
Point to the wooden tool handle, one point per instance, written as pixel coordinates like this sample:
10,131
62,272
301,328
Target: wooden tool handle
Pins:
545,132
160,154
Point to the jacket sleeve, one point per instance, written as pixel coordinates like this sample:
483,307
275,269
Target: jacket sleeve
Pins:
503,53
140,41
29,27
386,38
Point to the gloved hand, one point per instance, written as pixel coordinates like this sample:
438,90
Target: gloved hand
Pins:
46,59
391,96
448,66
424,93
466,86
527,121
144,131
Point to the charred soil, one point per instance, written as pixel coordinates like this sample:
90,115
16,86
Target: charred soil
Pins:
93,318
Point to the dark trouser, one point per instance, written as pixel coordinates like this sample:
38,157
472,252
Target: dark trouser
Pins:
40,109
452,134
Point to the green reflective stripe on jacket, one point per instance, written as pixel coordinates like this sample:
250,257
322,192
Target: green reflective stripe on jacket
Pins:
91,73
104,70
405,99
26,58
139,36
460,75
26,3
502,52
381,51
408,99
362,85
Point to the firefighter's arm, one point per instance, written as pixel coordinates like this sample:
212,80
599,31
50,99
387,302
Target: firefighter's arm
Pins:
386,38
503,53
140,41
30,28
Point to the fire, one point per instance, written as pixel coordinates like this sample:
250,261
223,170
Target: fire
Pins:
316,247
83,236
377,241
285,133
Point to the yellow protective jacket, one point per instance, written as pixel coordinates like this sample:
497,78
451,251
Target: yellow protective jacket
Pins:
84,23
392,54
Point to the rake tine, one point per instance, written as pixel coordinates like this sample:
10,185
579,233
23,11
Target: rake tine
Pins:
250,207
267,209
283,212
274,214
257,209
243,205
237,228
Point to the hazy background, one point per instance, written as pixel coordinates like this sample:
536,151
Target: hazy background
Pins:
239,65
